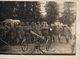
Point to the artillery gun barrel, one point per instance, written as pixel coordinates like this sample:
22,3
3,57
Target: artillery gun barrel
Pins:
37,35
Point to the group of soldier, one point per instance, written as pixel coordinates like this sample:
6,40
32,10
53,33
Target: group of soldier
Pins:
18,33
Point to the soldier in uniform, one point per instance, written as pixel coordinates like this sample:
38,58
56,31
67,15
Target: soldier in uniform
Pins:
45,30
46,33
8,32
19,33
27,29
37,37
67,33
27,36
39,30
33,26
2,35
15,31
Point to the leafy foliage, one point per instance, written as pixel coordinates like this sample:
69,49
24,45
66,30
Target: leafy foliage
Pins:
68,16
52,11
24,11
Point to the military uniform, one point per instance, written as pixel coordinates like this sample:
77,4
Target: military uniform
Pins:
20,33
27,33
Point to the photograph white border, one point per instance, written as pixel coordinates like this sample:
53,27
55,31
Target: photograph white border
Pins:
77,56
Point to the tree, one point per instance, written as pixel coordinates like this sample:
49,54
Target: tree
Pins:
18,11
6,10
27,11
24,11
52,12
68,16
36,11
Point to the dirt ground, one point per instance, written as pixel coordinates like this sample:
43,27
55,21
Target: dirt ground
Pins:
56,48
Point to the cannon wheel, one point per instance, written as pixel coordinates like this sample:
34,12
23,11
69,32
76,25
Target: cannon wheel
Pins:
24,45
48,43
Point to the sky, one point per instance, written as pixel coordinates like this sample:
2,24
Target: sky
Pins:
43,7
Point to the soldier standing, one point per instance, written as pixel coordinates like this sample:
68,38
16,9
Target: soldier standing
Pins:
3,40
27,29
45,30
33,26
20,33
37,39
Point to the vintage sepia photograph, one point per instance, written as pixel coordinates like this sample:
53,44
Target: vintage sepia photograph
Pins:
37,28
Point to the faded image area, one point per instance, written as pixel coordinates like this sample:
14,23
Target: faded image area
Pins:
37,27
